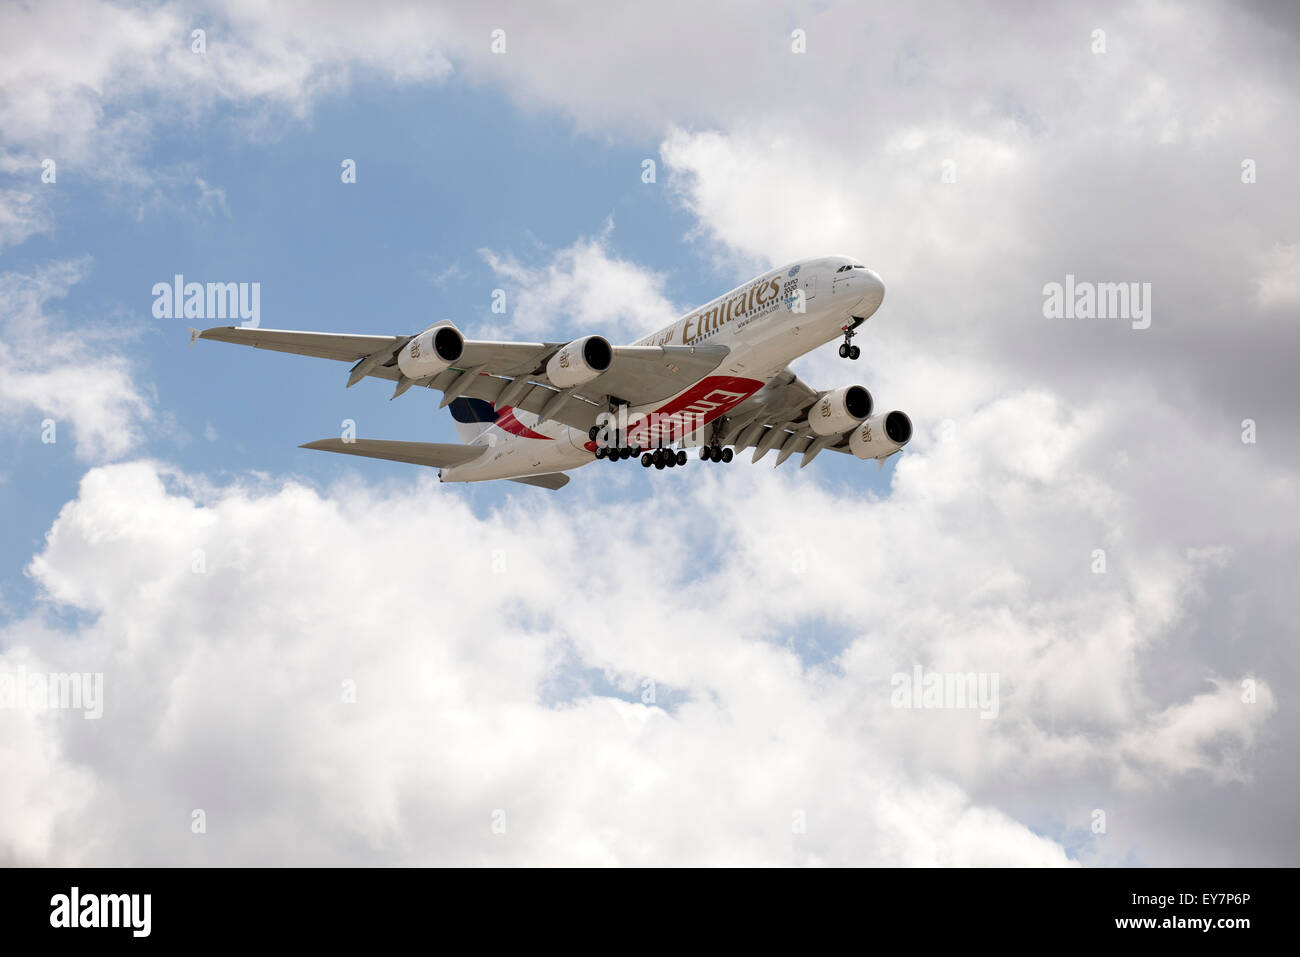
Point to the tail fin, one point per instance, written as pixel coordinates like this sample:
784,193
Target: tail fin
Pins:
473,418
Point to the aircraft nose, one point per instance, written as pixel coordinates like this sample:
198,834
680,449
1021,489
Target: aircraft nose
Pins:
873,292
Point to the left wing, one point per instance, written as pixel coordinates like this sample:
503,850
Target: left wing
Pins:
776,419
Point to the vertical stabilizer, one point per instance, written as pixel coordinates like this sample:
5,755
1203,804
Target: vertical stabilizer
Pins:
473,419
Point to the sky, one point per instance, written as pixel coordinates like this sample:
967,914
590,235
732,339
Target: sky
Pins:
312,659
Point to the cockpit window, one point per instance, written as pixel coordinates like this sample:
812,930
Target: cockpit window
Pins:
842,268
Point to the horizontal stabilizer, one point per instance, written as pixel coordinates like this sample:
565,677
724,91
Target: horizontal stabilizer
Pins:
435,454
552,480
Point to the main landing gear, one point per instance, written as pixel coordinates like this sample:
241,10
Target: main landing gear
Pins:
668,458
715,453
660,458
615,453
664,458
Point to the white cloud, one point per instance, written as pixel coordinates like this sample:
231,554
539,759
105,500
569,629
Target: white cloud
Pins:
73,71
211,198
583,289
236,707
74,376
23,213
1211,733
1279,285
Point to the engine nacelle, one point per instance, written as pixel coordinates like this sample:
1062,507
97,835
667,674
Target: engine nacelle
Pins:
880,435
432,351
580,361
839,411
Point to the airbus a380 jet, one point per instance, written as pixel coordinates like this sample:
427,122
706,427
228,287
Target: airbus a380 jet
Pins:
716,378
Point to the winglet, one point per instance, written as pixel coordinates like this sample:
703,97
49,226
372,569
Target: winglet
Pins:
194,335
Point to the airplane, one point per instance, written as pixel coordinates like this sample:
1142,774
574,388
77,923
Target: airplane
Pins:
717,378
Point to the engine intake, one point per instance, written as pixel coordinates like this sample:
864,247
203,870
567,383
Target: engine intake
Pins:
580,361
431,352
881,435
839,411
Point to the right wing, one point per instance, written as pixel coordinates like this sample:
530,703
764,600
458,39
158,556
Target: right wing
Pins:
502,373
508,357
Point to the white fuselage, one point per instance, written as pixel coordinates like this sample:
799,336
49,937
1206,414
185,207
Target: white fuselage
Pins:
766,323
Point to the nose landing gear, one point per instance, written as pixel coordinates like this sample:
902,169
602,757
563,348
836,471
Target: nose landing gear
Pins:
847,349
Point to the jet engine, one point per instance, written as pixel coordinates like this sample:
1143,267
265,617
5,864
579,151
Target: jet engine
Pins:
839,411
580,361
880,435
431,352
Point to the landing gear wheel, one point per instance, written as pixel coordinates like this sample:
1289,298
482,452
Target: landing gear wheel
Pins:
706,453
727,455
601,451
593,432
659,463
647,460
854,352
657,457
681,456
844,351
